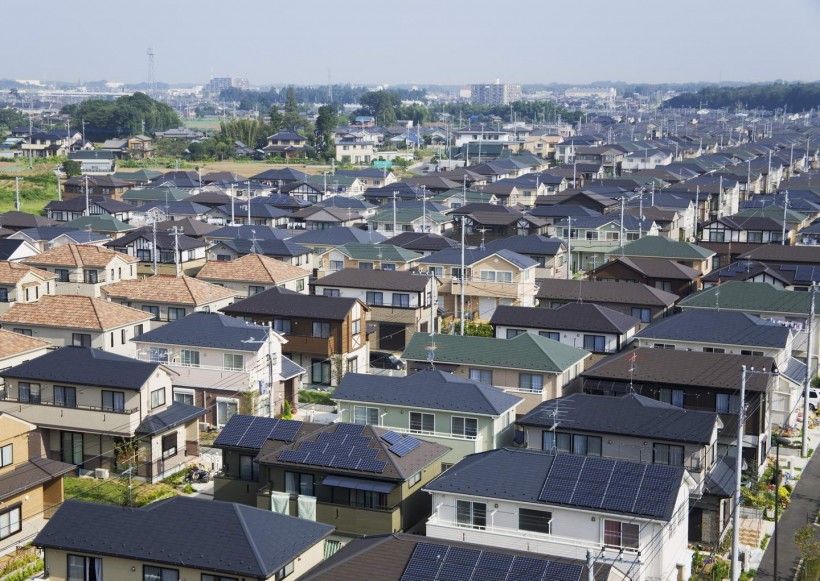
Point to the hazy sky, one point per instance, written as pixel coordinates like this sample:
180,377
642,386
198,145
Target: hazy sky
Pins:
417,41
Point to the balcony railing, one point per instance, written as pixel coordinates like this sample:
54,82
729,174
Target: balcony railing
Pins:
31,400
434,434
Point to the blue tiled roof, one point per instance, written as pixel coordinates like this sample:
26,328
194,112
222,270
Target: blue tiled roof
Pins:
211,330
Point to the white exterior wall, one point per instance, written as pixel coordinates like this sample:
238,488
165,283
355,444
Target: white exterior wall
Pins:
361,294
573,338
61,337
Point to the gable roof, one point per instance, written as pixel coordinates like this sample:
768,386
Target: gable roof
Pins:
421,241
525,351
12,344
163,288
390,280
654,268
259,542
662,247
628,415
382,252
252,268
534,244
277,301
73,312
783,254
85,366
755,297
99,223
79,255
14,272
473,255
570,317
723,327
174,415
164,240
429,389
337,236
600,291
211,330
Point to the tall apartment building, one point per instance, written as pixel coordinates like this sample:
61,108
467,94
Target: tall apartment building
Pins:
495,93
218,84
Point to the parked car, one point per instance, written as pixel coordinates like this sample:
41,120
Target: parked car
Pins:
383,360
814,399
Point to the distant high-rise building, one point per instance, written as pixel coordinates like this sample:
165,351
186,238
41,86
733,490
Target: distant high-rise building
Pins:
219,84
495,94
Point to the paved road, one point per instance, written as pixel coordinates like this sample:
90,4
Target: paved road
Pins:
805,503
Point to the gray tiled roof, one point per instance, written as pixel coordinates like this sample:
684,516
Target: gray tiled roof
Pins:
723,327
598,291
175,415
528,245
249,542
277,301
211,330
570,317
473,255
429,389
338,236
374,279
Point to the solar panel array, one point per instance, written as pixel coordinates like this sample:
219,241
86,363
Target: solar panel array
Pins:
404,446
345,448
438,562
243,431
392,437
612,485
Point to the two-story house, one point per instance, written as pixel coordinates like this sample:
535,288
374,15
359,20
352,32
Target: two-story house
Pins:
490,278
49,237
664,274
591,240
224,365
322,240
20,283
72,208
16,348
327,335
409,219
169,298
487,222
401,303
83,269
423,243
366,257
549,253
286,144
31,485
253,273
93,541
749,229
79,321
628,514
355,151
663,248
282,250
528,366
102,410
162,252
465,415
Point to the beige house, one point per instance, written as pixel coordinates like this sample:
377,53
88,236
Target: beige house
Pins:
80,321
16,349
82,269
31,486
169,298
355,152
104,411
23,284
254,273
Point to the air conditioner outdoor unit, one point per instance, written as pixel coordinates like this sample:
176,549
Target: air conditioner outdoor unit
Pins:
101,473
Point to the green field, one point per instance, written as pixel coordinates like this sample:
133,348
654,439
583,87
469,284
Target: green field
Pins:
37,188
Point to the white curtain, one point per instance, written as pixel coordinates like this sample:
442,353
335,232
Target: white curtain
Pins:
307,507
280,502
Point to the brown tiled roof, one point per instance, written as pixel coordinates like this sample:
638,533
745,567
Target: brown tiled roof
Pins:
168,289
15,344
73,312
79,255
12,272
251,268
33,473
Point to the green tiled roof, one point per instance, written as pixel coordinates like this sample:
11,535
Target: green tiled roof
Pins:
384,252
525,351
750,297
99,224
662,247
775,212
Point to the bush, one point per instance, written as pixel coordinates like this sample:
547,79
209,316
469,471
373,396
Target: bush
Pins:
319,397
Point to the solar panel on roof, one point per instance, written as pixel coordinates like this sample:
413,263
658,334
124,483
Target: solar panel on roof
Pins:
563,572
454,572
391,437
430,551
463,556
298,456
495,561
285,430
405,446
533,568
351,429
233,431
257,432
372,466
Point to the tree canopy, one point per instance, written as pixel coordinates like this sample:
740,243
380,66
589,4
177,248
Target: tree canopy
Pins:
122,117
11,117
794,96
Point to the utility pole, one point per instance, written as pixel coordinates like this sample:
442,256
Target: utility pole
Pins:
87,211
233,199
57,175
785,209
461,274
17,193
741,418
154,247
269,341
809,376
623,242
394,213
175,232
569,247
424,209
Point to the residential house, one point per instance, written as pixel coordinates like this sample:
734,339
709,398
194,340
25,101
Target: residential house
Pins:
276,178
528,366
99,162
16,348
50,237
327,335
782,276
422,242
157,212
102,410
628,514
286,144
463,414
752,230
487,222
102,224
322,240
255,212
253,273
371,177
224,365
79,321
401,303
73,208
16,250
162,252
23,284
667,275
282,250
157,194
31,485
582,325
696,381
324,218
456,198
550,253
490,278
646,158
410,219
50,143
782,254
591,240
83,269
366,257
16,220
661,247
86,540
355,151
95,185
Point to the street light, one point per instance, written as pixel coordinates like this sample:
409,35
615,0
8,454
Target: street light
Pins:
778,440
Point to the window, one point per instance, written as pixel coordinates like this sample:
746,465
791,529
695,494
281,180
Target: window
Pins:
331,292
223,257
714,350
153,310
422,423
113,401
4,295
84,568
401,300
550,335
137,330
754,237
91,277
158,354
225,409
71,448
184,395
248,469
666,454
189,358
62,274
207,577
337,265
166,256
174,313
6,455
663,346
530,382
144,254
321,330
538,521
123,336
482,375
169,445
496,276
595,343
644,315
755,353
467,427
11,521
28,392
621,534
671,396
353,365
365,415
157,397
112,339
579,444
374,298
159,574
255,290
65,396
366,265
414,479
471,514
456,273
284,571
436,271
281,326
299,483
512,333
726,403
81,339
356,327
233,361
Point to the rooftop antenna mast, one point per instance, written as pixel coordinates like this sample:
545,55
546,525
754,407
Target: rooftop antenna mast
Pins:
152,89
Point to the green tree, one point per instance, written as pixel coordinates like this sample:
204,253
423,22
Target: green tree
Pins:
251,132
11,117
291,119
323,132
277,121
381,105
72,168
127,115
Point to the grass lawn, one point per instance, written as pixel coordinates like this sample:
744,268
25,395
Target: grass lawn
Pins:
115,491
37,188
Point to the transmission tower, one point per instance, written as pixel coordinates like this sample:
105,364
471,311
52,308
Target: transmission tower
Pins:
151,74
